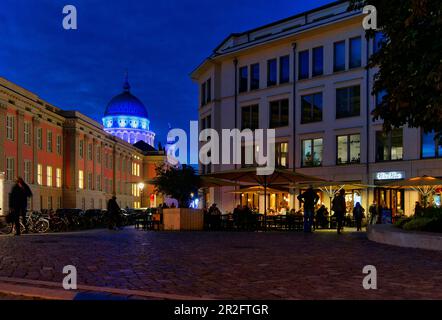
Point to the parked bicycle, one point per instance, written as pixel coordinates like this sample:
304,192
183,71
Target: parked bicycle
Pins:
35,221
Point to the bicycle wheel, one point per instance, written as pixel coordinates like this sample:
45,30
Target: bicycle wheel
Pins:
41,226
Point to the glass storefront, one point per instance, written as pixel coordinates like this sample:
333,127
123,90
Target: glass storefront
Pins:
394,199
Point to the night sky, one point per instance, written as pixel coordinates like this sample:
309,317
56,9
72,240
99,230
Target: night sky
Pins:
159,42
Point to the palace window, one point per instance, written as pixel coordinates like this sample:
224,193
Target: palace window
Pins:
10,169
27,171
348,149
49,176
254,81
318,61
58,177
284,69
89,151
355,53
27,133
312,152
59,145
40,138
90,181
81,149
10,120
311,108
339,56
98,155
39,174
279,113
99,182
303,64
206,92
271,72
389,146
250,117
348,102
49,141
80,179
431,147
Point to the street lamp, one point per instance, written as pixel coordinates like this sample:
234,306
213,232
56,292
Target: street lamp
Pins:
141,187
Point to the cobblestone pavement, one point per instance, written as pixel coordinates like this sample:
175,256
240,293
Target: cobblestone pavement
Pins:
227,265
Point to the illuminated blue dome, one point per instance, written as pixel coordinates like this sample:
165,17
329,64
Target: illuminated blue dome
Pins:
126,104
127,118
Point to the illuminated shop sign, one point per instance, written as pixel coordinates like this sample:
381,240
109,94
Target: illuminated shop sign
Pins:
391,175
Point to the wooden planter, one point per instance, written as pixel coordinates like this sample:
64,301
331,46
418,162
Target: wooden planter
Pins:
183,219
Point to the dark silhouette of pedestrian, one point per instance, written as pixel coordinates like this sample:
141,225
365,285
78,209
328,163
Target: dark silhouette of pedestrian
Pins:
309,198
215,217
339,207
18,203
374,212
113,211
358,215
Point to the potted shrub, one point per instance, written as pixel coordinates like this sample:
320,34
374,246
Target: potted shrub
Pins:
179,183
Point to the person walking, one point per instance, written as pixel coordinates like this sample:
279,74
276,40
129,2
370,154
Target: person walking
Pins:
113,211
339,208
309,199
374,212
18,203
358,215
215,217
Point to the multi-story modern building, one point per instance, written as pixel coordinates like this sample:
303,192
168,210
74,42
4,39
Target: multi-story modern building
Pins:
306,77
68,160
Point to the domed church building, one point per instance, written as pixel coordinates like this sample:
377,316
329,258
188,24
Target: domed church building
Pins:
126,117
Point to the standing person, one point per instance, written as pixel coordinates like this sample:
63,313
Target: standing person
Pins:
339,207
374,212
309,198
418,209
113,211
358,215
18,203
215,217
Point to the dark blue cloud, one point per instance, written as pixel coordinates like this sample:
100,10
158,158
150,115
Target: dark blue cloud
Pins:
159,42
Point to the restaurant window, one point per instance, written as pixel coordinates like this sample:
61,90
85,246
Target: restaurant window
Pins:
10,170
339,56
312,152
59,144
303,64
27,172
10,127
389,146
355,53
431,146
80,179
27,133
349,149
279,113
49,141
348,102
284,69
40,138
39,174
254,81
318,61
58,177
271,72
311,108
243,79
49,176
250,117
282,154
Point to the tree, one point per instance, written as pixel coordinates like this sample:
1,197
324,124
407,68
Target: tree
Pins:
410,63
177,182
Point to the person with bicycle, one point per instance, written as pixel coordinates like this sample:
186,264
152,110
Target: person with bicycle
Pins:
18,202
